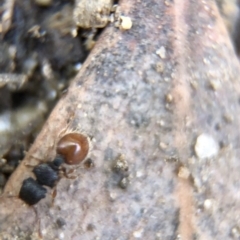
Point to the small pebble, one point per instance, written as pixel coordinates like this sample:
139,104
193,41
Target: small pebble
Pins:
124,183
159,67
169,98
236,232
44,232
121,165
228,118
206,146
161,52
126,23
139,174
138,233
167,3
183,173
162,145
208,203
61,235
61,222
90,227
215,84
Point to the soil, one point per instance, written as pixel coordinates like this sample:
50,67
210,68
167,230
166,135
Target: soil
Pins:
38,58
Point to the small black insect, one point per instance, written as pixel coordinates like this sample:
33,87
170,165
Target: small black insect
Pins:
31,192
47,173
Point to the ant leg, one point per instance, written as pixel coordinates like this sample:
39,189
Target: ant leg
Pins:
54,194
64,172
29,164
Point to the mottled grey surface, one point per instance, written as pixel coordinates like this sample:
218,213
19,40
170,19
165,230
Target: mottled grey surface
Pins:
119,100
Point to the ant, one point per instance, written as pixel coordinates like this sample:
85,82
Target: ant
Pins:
72,149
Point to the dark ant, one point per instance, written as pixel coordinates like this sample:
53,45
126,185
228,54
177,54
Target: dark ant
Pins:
72,149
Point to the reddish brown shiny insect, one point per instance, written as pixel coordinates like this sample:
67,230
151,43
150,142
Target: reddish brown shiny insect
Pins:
73,147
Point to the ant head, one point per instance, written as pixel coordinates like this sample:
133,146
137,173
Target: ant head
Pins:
74,147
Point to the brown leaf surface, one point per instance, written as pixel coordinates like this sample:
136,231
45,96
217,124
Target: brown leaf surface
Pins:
150,108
